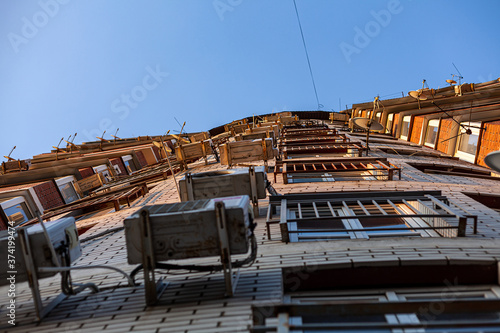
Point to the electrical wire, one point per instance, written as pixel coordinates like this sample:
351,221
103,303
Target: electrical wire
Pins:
307,56
248,261
101,234
67,269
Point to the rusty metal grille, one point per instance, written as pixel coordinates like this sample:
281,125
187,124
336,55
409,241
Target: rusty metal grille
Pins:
340,149
355,215
295,170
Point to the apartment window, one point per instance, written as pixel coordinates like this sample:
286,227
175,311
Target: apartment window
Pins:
427,297
103,170
324,169
16,210
129,164
390,120
467,143
431,133
405,127
489,200
67,189
365,215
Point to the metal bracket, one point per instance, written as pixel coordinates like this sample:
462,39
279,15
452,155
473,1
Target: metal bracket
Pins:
153,290
189,186
253,188
225,251
31,271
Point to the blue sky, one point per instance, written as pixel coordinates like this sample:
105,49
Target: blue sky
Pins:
71,66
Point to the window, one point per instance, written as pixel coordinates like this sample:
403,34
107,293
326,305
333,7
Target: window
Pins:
355,215
129,164
390,120
405,127
67,189
16,210
103,170
378,115
453,309
467,143
385,298
431,133
324,169
489,200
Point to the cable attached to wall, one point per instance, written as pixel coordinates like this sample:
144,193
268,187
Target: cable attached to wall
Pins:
307,56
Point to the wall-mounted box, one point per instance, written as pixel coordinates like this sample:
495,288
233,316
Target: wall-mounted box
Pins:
223,183
188,229
246,151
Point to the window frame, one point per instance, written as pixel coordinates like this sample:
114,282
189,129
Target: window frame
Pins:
344,215
463,155
433,123
403,121
14,201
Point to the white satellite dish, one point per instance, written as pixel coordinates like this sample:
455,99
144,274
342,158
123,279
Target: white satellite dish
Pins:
493,160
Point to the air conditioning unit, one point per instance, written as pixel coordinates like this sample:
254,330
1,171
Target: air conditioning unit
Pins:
62,231
188,229
215,184
191,229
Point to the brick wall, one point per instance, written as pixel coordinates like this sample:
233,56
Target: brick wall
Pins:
490,141
118,161
156,151
49,195
141,158
416,129
86,172
444,133
395,124
3,222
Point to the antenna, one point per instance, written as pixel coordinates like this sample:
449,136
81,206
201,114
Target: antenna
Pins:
114,136
8,156
70,143
459,76
102,137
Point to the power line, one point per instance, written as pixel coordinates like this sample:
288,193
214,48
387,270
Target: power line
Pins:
307,56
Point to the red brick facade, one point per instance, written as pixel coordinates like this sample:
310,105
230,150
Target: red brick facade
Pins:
416,129
3,223
156,151
444,133
141,158
490,141
118,161
86,172
49,195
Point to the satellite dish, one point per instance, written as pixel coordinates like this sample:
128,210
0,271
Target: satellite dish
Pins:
451,82
493,160
418,94
368,124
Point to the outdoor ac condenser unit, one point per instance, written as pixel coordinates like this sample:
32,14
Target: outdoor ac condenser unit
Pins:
188,229
215,184
62,231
